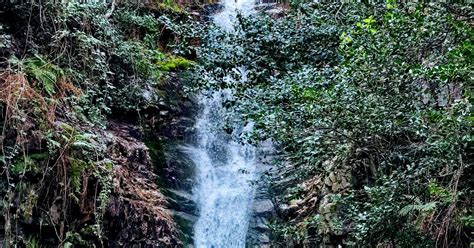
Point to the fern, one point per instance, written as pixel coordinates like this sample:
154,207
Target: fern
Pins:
44,72
427,207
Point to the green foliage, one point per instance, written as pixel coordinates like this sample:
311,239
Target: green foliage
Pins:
290,234
77,168
133,19
23,165
118,63
173,63
46,74
384,88
74,239
32,242
427,207
171,5
78,68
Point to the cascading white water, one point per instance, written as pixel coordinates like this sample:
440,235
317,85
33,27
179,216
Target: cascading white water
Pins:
226,18
225,168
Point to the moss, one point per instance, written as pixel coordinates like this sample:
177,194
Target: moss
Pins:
28,163
22,165
32,242
158,152
186,229
40,156
158,159
173,63
171,6
77,167
29,202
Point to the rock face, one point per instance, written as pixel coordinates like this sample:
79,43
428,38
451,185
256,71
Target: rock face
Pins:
275,10
152,204
209,10
174,168
259,232
263,209
138,213
316,196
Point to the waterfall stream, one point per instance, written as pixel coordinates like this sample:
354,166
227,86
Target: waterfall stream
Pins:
225,168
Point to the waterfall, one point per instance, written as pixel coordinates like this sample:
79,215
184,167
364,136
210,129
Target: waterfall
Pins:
225,169
227,16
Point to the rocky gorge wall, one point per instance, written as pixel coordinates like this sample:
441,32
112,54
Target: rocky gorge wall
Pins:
92,114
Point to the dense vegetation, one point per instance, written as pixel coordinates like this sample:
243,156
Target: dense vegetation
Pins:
66,71
371,105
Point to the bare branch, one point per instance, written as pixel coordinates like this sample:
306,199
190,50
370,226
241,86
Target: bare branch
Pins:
111,11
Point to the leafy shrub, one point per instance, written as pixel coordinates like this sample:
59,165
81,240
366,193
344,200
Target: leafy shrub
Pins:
383,91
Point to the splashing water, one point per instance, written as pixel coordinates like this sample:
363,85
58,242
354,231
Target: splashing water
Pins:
225,168
226,18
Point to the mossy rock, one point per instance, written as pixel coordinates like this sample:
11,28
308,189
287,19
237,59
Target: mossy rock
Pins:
173,63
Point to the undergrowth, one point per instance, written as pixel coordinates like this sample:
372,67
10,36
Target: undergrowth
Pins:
371,105
65,69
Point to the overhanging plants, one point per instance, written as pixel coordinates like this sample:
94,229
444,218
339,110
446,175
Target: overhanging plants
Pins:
379,92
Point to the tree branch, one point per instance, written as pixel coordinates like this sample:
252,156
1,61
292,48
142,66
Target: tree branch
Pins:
111,11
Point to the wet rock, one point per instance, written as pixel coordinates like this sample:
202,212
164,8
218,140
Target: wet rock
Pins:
263,239
262,224
211,9
327,181
182,201
171,125
332,177
263,207
275,10
138,213
316,197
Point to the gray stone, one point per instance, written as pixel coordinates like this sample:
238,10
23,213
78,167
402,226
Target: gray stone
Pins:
263,206
261,224
263,239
